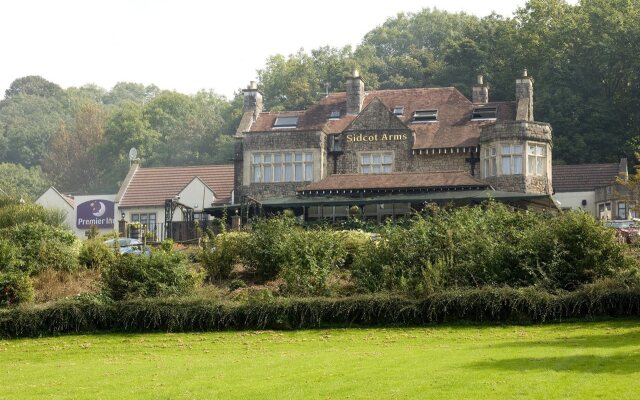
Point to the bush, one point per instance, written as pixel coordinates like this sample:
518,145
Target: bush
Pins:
160,274
220,254
488,304
14,213
490,245
15,288
166,245
237,284
315,254
96,254
268,245
9,256
44,246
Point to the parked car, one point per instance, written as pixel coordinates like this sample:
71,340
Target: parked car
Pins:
627,231
128,246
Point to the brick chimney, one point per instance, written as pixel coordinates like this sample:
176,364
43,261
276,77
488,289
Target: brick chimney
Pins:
524,97
480,92
355,93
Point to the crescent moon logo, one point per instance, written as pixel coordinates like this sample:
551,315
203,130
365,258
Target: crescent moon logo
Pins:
101,210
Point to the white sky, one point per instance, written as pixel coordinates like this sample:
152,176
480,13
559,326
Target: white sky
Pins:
185,45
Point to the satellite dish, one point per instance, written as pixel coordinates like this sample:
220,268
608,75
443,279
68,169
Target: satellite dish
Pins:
133,154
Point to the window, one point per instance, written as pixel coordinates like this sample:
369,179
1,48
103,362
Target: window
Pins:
511,159
398,110
335,114
295,166
376,163
286,122
622,210
148,219
490,164
425,115
537,159
484,113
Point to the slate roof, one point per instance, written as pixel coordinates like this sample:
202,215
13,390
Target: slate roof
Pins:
583,177
396,180
454,127
152,186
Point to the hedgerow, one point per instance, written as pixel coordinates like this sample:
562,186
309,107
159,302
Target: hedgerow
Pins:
488,304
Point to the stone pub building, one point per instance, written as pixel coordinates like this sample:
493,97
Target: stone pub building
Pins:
390,151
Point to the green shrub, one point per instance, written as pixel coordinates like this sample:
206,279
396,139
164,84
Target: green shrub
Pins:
268,246
14,213
167,245
237,284
490,245
354,243
220,254
261,310
159,274
9,256
15,288
314,256
96,254
44,246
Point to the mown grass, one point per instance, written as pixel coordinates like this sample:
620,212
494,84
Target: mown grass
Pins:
580,360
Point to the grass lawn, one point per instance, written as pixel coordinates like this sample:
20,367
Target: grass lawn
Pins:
598,360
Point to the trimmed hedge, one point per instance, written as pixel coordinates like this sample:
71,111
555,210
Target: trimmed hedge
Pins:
176,315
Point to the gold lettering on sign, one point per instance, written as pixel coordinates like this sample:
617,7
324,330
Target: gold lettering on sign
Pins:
385,137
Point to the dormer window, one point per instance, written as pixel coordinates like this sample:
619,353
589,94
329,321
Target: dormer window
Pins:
398,110
335,114
483,113
286,122
425,116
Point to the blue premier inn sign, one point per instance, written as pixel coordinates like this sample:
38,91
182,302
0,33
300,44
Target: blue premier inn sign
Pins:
98,212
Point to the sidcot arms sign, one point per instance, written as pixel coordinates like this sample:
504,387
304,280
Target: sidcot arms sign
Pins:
98,212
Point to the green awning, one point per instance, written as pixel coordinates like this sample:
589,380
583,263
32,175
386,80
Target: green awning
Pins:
461,196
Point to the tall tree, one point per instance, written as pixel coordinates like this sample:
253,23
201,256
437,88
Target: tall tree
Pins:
70,161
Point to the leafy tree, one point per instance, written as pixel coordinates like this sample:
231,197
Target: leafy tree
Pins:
126,128
33,85
127,91
70,160
17,181
27,123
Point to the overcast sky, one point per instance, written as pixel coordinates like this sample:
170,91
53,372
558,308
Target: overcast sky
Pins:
185,45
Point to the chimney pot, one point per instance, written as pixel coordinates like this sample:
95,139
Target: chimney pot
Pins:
480,80
253,85
524,73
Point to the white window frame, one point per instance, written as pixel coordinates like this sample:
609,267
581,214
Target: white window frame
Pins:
512,154
489,163
279,167
537,159
376,162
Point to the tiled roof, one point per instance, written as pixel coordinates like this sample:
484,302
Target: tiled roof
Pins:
397,180
152,186
454,127
583,177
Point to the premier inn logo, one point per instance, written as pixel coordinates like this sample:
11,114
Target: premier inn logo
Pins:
376,137
98,212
